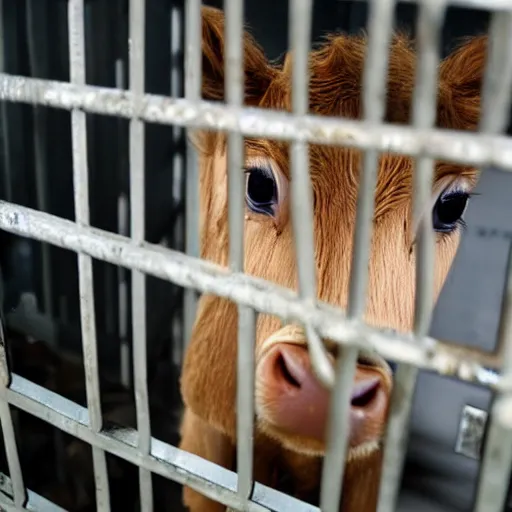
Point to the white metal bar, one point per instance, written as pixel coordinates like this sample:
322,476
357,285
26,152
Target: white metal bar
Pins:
168,461
34,502
374,108
234,89
300,18
484,5
431,17
245,400
193,84
462,147
263,296
81,190
497,86
4,115
301,197
137,48
495,468
6,422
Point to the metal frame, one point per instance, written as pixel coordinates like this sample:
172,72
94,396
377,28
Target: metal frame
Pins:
412,352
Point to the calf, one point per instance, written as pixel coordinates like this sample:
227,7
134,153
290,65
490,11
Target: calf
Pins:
291,405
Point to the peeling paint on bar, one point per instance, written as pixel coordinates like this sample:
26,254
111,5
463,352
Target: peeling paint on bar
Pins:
166,460
265,297
462,147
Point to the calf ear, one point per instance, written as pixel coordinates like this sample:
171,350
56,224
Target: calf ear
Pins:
258,73
460,84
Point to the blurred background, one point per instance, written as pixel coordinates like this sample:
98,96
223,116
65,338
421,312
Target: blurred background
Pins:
39,283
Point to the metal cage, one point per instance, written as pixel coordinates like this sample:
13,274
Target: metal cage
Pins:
412,352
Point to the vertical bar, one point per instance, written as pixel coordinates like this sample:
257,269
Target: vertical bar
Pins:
431,17
193,83
178,167
124,353
81,193
122,217
38,64
233,81
300,17
137,48
245,400
497,84
495,468
234,87
4,115
6,422
374,108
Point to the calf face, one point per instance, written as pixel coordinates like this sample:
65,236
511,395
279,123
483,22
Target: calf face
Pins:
291,405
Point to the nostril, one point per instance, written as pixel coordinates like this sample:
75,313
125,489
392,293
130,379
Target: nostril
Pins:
285,371
364,392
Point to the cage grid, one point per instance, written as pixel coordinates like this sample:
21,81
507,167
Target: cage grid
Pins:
412,351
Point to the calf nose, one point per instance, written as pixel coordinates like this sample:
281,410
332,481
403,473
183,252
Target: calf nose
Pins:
299,404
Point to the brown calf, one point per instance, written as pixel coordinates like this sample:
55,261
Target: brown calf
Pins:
291,406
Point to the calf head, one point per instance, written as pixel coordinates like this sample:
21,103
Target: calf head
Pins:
291,405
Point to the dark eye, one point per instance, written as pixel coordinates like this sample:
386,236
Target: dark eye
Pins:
261,190
448,211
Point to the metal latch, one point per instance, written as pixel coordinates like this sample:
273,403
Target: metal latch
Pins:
471,432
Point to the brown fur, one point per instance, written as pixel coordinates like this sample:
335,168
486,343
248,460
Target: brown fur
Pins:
209,372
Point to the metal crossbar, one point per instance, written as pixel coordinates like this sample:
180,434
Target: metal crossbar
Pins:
412,351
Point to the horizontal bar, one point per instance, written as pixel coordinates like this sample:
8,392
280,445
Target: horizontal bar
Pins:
34,503
485,5
168,461
263,296
449,145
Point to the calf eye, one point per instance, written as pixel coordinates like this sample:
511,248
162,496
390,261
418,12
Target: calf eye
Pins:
448,211
261,190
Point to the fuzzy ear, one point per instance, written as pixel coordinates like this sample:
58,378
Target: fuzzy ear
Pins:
460,84
258,73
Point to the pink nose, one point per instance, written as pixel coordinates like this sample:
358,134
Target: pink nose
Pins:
299,404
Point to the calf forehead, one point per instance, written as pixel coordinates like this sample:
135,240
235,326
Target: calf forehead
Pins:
336,174
336,171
